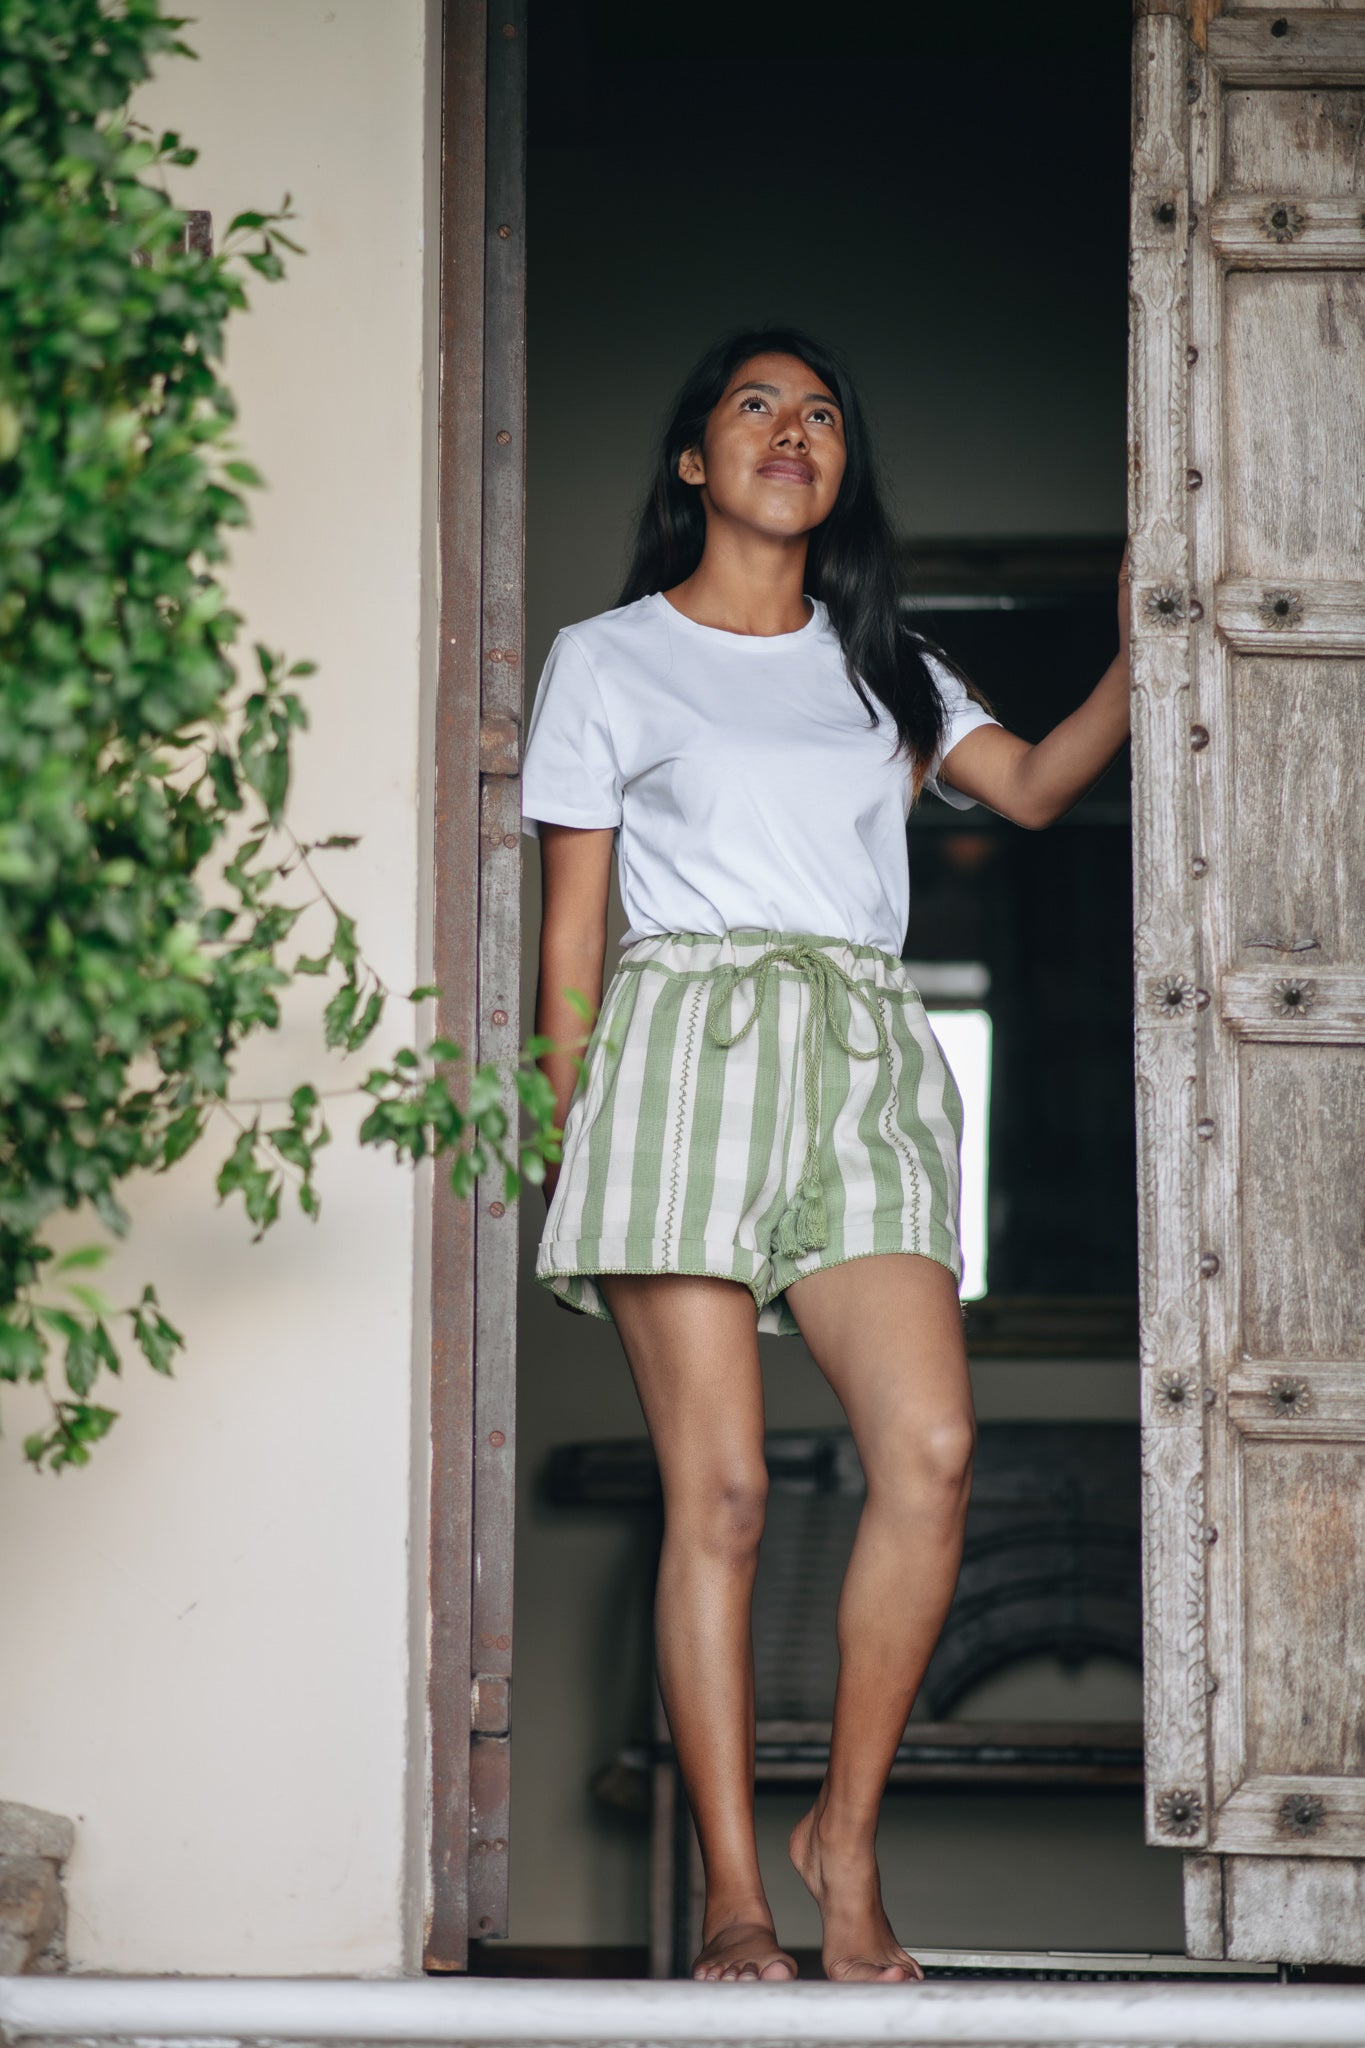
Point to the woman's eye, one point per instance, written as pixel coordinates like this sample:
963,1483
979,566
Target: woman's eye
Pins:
751,400
825,418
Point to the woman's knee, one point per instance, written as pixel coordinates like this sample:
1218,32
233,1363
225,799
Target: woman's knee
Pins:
720,1511
926,1464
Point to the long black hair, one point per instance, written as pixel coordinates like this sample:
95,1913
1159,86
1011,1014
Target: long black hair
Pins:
850,565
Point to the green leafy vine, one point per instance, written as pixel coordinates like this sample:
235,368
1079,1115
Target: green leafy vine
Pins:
135,961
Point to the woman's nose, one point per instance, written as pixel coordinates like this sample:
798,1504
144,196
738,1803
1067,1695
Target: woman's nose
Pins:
790,432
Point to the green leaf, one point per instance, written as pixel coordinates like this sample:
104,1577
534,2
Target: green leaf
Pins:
420,995
181,1134
336,1018
21,1351
83,1255
344,944
366,1022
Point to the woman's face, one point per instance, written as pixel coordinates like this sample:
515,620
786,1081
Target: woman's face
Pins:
773,455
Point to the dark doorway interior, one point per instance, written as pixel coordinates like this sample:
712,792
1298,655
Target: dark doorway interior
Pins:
943,195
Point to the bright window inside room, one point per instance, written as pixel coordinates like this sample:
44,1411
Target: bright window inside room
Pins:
952,990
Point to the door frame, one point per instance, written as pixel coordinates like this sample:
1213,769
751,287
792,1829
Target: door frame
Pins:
476,959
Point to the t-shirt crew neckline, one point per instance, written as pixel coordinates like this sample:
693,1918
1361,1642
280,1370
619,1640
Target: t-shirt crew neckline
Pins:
718,634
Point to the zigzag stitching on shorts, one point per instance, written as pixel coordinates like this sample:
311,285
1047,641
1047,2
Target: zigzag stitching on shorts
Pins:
896,1137
680,1125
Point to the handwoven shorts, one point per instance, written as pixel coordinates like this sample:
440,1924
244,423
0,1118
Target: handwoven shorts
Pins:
756,1106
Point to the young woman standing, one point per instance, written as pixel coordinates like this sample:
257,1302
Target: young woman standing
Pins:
762,1133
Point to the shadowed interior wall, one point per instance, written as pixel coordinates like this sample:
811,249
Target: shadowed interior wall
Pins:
948,205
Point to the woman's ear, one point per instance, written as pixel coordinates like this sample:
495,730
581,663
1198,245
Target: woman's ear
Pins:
691,468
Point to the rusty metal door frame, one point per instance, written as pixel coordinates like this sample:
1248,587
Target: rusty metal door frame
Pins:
477,958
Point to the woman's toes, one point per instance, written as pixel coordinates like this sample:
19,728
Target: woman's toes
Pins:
777,1971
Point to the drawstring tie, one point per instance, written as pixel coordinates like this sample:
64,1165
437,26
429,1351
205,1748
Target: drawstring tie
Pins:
803,1225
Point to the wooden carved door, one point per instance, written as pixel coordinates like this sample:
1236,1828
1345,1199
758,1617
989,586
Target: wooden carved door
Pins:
1247,472
477,957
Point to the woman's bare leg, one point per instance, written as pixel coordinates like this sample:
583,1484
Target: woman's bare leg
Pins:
692,1344
887,1334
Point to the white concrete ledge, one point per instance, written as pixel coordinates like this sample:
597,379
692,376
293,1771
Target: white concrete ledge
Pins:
223,2012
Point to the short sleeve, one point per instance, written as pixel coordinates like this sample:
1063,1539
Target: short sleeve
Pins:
569,774
961,715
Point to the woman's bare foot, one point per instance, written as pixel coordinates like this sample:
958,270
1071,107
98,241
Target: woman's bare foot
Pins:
842,1878
744,1949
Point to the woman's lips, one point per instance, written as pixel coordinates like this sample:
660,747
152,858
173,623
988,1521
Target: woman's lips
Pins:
788,472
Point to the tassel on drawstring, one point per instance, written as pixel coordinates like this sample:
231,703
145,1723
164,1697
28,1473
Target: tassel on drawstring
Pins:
803,1225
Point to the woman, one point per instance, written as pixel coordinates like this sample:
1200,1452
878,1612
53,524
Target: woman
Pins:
763,1134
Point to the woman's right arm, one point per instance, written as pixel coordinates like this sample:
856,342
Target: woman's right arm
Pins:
575,866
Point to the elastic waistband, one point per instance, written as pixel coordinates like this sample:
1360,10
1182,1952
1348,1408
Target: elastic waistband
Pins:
703,952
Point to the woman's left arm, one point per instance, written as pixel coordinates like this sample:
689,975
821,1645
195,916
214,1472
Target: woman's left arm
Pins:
1033,785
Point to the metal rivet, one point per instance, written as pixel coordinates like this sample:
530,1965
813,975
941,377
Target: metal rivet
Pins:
1193,479
1211,1685
1191,354
496,1438
1209,1397
504,233
1199,866
1290,1397
503,438
496,1209
1299,1814
1199,738
1205,1127
509,838
509,30
1201,999
1180,1812
1209,1264
1164,212
1280,27
1210,1534
495,654
510,656
499,1016
485,1923
1196,609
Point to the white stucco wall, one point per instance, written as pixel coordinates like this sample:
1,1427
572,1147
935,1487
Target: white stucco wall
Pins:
206,1633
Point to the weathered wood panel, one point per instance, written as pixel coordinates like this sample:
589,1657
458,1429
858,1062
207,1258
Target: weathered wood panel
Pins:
1305,1582
1303,1196
1294,452
1165,973
1306,907
1304,616
503,440
1316,1907
454,965
1251,949
1317,46
1309,142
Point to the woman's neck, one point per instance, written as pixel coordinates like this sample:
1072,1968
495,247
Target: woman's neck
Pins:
746,584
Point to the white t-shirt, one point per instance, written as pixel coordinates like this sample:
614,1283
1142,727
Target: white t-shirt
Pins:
742,775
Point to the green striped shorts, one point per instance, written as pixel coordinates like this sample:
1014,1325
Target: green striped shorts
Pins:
755,1106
